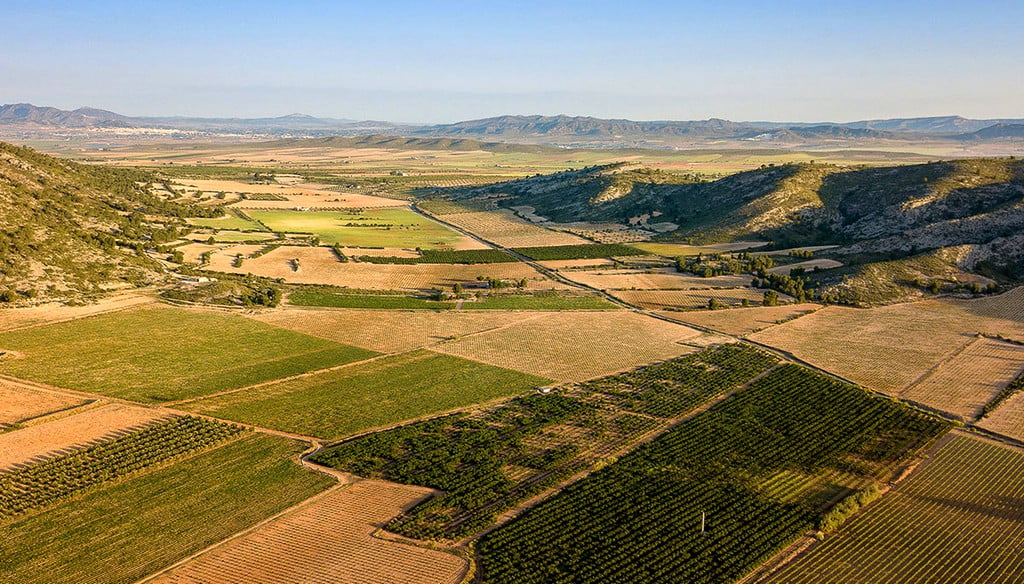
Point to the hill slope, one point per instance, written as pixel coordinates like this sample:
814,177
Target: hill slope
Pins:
68,229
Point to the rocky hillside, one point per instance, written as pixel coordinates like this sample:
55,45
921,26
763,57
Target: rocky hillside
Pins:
68,229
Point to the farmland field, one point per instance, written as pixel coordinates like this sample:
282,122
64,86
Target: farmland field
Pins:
75,430
498,457
329,540
1008,417
364,227
743,321
691,299
505,229
639,519
173,512
231,220
337,403
650,280
22,404
319,265
957,519
890,347
50,313
137,354
573,346
965,383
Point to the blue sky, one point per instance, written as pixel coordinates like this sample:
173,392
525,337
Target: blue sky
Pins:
447,61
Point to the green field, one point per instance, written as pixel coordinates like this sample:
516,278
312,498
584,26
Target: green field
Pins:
362,228
159,353
240,236
958,519
129,530
332,299
232,220
580,251
337,403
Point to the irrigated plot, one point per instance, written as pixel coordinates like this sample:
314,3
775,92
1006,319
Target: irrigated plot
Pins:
506,229
691,299
890,347
393,389
128,530
965,383
19,404
330,540
957,519
320,265
572,346
366,228
391,331
743,321
653,280
159,353
73,431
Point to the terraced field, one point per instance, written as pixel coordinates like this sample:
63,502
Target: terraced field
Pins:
137,354
958,519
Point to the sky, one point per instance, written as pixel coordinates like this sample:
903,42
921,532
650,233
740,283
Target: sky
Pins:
444,61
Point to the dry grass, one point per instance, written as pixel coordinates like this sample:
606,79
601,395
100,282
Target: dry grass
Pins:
1007,419
965,383
319,265
809,265
572,346
17,318
506,229
654,280
690,299
194,251
21,404
743,321
329,540
91,425
392,331
888,348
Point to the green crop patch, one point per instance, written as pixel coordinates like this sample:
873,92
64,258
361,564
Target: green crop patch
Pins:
232,219
640,519
384,227
386,391
124,532
582,251
160,353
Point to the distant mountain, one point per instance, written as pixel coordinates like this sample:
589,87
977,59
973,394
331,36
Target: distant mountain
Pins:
933,125
583,127
996,131
26,113
822,132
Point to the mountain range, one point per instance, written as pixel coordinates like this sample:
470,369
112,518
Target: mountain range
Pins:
558,130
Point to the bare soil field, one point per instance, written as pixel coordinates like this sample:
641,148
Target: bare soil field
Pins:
1007,419
392,331
319,265
809,265
194,251
743,321
691,299
77,430
651,280
965,383
16,318
21,404
329,541
888,348
573,346
506,229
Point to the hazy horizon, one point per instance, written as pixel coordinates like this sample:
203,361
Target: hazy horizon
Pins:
451,61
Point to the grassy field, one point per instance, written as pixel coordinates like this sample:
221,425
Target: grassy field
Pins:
338,299
129,530
362,228
540,302
231,220
160,353
958,519
336,403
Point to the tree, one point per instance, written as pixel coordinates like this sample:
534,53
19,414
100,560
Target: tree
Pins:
457,288
771,298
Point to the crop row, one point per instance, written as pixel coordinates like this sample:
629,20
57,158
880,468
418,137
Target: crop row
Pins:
580,251
50,481
639,520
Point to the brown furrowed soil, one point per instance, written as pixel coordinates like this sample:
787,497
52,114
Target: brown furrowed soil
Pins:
1007,419
743,321
21,404
319,265
392,331
690,299
92,425
965,383
573,346
329,541
654,280
505,229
